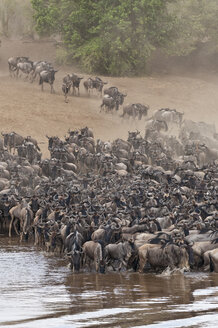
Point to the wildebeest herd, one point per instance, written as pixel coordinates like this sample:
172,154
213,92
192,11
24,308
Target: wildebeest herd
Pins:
45,73
145,204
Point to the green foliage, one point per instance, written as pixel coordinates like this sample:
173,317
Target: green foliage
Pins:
107,36
117,37
62,57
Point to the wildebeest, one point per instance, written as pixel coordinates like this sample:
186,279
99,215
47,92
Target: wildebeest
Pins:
109,102
120,252
169,115
24,215
92,252
12,140
66,89
211,260
25,67
26,222
12,63
47,76
112,92
162,257
74,80
94,83
38,67
135,110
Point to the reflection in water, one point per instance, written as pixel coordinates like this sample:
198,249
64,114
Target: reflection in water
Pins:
39,291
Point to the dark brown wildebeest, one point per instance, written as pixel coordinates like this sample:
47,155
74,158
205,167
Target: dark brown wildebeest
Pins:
66,89
94,83
135,110
47,76
74,81
109,102
121,252
12,140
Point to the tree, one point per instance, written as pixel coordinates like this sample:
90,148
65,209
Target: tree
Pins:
118,37
16,18
7,12
107,36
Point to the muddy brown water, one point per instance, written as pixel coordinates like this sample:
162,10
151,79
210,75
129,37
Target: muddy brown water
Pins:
37,290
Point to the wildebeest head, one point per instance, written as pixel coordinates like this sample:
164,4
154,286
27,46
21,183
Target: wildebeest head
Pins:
75,260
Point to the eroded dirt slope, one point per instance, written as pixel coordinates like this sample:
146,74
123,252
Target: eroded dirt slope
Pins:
28,111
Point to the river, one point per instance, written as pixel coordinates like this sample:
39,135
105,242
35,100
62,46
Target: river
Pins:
37,290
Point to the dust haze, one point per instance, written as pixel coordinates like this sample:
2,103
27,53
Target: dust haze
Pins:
28,111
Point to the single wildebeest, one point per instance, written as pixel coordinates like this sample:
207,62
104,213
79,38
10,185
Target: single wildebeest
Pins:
66,89
162,257
92,251
135,110
112,91
109,103
47,76
121,252
25,67
88,84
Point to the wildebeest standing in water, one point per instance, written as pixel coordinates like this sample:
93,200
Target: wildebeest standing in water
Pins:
47,76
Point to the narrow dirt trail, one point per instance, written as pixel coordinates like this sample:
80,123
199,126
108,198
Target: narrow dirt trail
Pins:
28,111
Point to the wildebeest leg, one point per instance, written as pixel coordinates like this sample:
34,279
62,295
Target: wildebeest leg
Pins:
52,88
42,87
15,226
102,105
36,236
206,261
143,261
122,262
21,236
10,225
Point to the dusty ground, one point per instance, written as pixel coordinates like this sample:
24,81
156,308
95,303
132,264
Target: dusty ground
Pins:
28,111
